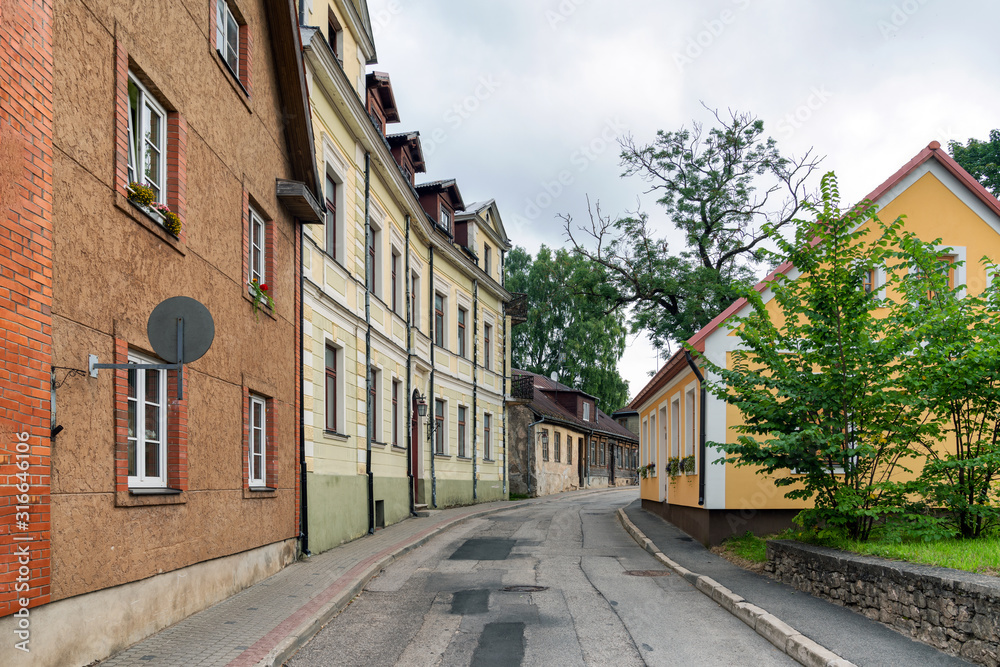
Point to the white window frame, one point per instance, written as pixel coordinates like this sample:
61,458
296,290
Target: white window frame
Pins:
644,449
690,408
138,440
675,427
257,447
586,411
146,105
257,266
226,24
446,218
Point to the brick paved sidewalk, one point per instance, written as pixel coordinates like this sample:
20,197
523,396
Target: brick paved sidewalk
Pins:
265,623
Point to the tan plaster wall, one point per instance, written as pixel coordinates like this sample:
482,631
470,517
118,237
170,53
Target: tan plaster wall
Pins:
110,272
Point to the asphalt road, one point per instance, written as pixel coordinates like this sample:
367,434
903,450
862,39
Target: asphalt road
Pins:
466,598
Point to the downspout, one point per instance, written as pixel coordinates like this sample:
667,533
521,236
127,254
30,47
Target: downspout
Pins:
302,12
303,499
475,381
430,393
369,280
701,434
503,392
409,370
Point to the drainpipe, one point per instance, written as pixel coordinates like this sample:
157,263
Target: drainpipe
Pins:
503,390
430,392
409,370
475,381
302,12
369,285
701,438
303,500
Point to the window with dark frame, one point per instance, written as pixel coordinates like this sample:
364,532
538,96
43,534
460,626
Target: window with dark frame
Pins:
461,431
438,426
373,397
487,443
487,331
462,315
558,446
371,260
414,317
333,33
439,320
545,444
487,259
331,216
331,388
394,286
395,412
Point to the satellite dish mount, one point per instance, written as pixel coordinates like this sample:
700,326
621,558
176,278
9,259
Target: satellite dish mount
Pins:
181,330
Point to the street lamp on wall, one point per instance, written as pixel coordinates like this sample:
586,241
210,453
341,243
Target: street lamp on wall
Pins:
421,402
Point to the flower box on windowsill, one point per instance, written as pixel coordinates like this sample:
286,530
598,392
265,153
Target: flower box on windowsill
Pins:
142,198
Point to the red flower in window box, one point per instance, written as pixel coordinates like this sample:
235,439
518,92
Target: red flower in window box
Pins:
259,293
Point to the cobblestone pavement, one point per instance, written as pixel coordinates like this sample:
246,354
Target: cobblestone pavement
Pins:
263,623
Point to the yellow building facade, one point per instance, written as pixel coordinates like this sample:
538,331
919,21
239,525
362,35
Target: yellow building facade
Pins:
715,500
404,309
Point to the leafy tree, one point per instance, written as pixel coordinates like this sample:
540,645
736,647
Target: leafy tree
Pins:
981,159
956,367
821,383
726,189
567,332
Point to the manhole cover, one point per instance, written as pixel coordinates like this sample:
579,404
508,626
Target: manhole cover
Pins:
647,573
524,589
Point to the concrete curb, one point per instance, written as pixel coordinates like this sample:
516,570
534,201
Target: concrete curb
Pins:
793,643
288,646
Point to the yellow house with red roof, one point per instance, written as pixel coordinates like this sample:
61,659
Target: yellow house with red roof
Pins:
712,500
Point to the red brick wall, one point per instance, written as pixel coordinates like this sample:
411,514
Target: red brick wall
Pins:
25,300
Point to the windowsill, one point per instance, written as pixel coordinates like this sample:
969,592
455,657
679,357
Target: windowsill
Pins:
262,309
234,81
464,458
263,489
379,445
399,448
141,497
146,221
143,491
259,492
334,435
446,457
486,460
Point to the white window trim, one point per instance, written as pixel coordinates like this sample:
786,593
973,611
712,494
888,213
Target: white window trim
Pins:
258,272
337,168
397,423
675,426
488,442
462,339
223,16
458,438
488,359
377,415
586,411
445,323
402,284
139,480
445,450
137,154
260,480
690,423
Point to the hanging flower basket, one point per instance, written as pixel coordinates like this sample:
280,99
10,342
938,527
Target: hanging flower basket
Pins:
687,464
673,466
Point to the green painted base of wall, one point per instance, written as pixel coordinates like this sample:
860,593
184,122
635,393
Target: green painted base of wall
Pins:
459,492
338,510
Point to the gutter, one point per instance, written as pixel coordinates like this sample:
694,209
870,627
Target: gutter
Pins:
701,429
369,278
475,383
409,371
430,393
303,498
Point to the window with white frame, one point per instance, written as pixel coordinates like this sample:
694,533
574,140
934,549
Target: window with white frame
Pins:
445,218
147,139
645,442
258,441
258,229
675,427
690,423
586,411
147,425
227,36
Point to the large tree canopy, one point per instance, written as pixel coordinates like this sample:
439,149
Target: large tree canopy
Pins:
723,188
567,332
981,159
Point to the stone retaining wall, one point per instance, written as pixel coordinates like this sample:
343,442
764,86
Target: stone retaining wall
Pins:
955,611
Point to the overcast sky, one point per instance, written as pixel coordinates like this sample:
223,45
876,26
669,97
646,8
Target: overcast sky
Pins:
510,95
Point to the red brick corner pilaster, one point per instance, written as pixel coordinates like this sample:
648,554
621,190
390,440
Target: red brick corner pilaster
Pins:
25,304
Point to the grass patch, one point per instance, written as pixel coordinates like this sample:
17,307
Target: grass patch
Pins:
518,496
748,547
980,555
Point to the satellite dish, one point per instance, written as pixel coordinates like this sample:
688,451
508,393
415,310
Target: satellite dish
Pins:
197,329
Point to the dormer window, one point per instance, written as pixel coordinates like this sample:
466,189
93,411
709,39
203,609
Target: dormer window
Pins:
334,34
445,218
586,411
